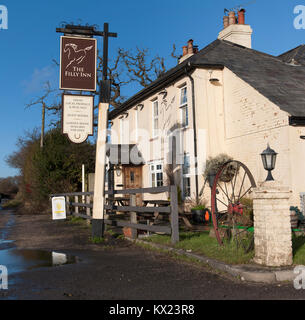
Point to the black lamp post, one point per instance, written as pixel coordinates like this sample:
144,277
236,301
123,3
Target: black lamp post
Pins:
269,160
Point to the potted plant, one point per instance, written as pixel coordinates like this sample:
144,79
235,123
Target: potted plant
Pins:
198,207
214,164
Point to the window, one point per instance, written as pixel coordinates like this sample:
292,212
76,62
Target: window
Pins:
124,131
184,107
132,177
186,179
137,125
155,118
156,175
121,130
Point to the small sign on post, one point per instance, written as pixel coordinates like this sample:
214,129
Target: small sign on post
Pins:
77,117
78,63
59,208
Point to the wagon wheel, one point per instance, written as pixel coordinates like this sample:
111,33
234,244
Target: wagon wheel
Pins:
232,208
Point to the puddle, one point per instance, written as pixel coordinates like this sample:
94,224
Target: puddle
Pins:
22,260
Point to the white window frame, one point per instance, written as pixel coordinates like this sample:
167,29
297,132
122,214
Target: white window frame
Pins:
155,131
121,130
124,136
184,106
186,176
137,124
153,169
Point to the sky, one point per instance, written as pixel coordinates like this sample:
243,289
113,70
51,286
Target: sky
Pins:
30,43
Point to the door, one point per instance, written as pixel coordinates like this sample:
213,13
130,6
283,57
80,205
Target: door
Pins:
133,180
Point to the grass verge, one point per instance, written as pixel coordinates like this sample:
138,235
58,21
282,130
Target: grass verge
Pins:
298,245
202,243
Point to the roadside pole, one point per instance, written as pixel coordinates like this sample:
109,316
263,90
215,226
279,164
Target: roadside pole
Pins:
103,109
98,224
99,184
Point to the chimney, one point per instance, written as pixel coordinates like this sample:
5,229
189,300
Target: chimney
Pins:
232,18
188,50
190,47
241,16
239,33
225,22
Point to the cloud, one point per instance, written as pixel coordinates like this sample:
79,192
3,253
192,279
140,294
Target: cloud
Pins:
38,79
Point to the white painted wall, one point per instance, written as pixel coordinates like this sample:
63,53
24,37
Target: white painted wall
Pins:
232,117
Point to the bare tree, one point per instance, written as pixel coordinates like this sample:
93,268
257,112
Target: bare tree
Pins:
55,107
127,67
9,185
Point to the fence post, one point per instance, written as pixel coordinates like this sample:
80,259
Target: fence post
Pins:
88,210
133,216
68,205
76,201
174,214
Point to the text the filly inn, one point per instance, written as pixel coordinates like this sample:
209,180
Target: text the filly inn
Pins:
78,64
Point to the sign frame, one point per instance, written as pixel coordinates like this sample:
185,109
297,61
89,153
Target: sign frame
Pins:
61,66
63,117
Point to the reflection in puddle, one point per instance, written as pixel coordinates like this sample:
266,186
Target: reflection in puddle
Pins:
21,260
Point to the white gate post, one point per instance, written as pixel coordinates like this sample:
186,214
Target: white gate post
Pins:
272,225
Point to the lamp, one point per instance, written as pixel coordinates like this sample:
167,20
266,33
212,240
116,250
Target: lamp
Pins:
118,170
269,160
164,93
141,105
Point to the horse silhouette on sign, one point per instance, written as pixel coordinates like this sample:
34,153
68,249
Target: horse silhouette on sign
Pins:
74,54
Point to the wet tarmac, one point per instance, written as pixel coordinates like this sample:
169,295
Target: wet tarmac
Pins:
17,260
21,260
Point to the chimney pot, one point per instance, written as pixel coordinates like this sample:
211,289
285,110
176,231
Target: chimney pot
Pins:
225,22
190,47
241,16
232,18
184,50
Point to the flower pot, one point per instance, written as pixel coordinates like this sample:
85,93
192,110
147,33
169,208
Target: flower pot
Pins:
294,219
198,215
127,232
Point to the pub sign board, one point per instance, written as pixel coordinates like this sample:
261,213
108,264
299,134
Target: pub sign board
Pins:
77,117
78,58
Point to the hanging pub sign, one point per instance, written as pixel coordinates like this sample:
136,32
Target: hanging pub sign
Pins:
77,117
78,57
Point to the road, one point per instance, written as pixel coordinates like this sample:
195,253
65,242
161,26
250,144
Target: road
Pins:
116,269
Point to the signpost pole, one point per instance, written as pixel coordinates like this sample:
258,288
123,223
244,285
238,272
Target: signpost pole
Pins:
99,185
103,108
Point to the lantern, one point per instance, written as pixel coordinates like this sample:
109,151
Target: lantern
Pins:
269,160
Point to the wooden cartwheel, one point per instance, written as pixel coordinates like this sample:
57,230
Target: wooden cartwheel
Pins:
232,205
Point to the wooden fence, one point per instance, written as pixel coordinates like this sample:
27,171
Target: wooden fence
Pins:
134,211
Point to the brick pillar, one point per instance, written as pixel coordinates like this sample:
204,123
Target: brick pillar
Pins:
273,237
